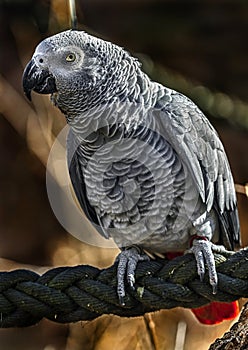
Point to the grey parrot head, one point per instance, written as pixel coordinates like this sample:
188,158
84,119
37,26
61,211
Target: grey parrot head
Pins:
71,62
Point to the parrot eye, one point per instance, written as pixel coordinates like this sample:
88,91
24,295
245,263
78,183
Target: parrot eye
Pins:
70,57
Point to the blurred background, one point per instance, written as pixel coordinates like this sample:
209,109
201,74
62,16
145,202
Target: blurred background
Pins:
198,48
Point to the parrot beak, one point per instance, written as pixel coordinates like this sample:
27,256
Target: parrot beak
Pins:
37,79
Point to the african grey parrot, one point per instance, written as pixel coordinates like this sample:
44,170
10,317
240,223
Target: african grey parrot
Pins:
148,168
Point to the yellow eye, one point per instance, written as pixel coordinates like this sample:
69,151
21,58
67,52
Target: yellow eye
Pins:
70,57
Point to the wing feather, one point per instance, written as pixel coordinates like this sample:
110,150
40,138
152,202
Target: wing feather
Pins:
199,146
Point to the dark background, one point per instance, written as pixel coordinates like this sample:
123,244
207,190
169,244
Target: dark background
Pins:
197,47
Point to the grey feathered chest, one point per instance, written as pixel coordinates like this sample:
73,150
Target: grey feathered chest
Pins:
140,189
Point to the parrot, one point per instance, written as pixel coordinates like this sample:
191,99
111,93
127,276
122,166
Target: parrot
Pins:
147,166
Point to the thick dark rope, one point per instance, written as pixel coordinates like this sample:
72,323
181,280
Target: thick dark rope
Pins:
70,294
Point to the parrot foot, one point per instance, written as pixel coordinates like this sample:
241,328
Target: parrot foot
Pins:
127,263
203,251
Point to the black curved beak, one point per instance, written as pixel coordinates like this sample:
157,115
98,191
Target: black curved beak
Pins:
38,80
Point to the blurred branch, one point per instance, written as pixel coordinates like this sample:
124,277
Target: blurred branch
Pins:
73,14
243,189
34,126
237,337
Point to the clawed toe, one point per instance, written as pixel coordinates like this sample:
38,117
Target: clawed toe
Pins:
127,263
203,251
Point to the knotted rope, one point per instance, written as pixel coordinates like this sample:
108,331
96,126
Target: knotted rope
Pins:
70,294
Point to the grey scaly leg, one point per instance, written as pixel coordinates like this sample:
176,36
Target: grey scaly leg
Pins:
127,263
203,250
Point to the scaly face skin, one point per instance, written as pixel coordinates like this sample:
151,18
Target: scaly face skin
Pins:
96,83
78,70
64,64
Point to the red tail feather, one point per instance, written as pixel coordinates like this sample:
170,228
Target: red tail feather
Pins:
216,312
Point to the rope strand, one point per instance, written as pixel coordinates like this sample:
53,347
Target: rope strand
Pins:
71,294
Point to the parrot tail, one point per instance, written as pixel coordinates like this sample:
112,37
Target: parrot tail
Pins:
216,312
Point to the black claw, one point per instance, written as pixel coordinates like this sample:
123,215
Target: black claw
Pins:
121,301
214,286
131,286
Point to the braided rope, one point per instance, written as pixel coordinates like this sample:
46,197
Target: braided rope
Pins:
70,294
